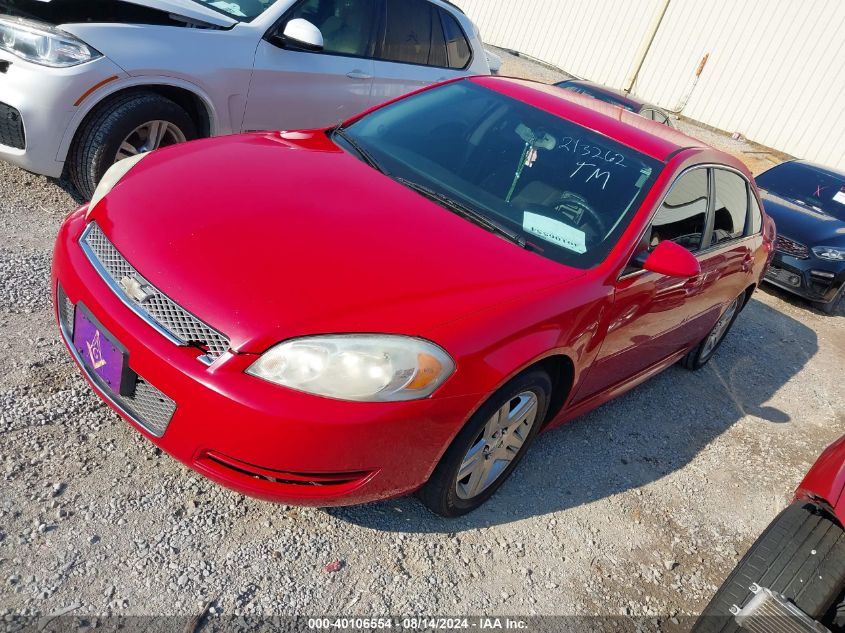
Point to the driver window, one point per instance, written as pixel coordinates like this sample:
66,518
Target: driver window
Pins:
682,217
346,25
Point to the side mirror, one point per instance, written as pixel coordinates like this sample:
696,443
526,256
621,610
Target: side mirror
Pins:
302,34
672,260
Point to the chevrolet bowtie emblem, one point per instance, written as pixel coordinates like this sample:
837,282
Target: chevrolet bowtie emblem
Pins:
134,289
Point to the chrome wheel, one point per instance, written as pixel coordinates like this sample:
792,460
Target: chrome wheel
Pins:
719,330
149,136
496,446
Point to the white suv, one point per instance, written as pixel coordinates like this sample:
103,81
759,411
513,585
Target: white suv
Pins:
88,83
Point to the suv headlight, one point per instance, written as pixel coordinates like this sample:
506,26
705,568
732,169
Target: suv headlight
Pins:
114,175
831,253
43,44
363,367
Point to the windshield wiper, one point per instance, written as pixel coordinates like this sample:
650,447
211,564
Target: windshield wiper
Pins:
363,153
465,212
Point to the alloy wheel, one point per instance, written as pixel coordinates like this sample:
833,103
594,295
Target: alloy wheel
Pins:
496,446
149,136
719,330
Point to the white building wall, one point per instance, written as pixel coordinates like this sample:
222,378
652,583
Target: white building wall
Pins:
775,70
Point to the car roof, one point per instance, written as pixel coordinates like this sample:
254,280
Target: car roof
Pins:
830,171
633,102
654,139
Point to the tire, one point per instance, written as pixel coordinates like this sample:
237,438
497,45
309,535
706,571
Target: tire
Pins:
96,145
832,306
701,354
443,494
801,555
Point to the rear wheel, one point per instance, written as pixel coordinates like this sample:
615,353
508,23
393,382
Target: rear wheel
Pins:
127,125
489,447
699,355
800,555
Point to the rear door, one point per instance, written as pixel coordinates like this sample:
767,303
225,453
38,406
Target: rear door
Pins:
421,44
296,89
727,256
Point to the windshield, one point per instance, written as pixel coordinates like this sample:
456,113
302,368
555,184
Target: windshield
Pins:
566,192
243,10
807,186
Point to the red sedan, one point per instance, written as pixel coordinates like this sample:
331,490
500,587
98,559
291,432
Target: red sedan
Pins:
403,302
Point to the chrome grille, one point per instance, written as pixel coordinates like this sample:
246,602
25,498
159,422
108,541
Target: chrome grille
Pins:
791,247
148,406
171,319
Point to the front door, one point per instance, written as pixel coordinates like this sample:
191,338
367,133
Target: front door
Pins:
654,316
298,89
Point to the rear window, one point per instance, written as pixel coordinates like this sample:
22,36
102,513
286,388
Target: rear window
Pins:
456,42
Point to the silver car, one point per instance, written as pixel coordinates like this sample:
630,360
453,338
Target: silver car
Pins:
83,84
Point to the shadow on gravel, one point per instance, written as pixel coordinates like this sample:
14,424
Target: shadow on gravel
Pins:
69,189
644,435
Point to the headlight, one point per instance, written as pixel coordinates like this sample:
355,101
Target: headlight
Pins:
113,176
42,44
833,253
364,367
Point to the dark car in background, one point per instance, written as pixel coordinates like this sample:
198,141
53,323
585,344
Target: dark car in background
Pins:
618,98
807,203
792,579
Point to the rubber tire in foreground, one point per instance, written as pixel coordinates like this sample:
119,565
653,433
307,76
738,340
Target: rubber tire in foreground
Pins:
96,145
440,492
694,359
800,555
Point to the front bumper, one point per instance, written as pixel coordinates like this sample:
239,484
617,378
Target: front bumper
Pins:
812,278
45,101
247,434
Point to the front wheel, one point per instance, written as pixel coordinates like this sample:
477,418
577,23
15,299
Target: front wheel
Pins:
489,447
127,125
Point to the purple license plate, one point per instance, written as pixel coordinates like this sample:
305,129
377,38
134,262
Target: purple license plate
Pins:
100,353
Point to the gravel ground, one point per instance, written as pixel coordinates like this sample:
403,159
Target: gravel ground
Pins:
639,508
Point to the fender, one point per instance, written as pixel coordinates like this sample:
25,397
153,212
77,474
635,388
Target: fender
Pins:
219,123
825,480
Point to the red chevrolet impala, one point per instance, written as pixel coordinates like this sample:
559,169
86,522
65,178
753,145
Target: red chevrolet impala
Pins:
403,302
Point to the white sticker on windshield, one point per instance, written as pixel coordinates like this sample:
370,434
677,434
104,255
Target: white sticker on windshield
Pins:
840,197
555,232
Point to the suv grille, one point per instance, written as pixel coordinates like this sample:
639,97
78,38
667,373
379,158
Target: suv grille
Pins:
791,247
148,406
11,128
170,319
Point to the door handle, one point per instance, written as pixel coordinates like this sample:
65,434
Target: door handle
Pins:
359,74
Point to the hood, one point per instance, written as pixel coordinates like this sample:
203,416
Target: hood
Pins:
66,12
276,235
812,228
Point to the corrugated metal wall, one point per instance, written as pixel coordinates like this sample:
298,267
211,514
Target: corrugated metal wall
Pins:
775,71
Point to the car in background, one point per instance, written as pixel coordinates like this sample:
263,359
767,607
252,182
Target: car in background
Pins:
84,84
807,203
403,302
617,97
793,577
